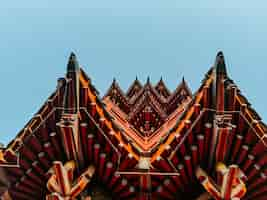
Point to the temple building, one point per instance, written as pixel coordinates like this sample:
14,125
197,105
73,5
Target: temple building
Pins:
146,143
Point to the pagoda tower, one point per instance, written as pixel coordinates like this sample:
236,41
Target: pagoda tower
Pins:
146,143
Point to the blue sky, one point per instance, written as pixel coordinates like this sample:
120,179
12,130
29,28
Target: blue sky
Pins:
122,39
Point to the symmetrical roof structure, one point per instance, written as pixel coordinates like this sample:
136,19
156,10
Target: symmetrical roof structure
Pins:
147,112
146,143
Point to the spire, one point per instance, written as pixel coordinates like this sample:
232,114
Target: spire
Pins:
220,64
113,86
73,65
71,96
161,82
184,85
162,89
148,80
134,88
136,82
221,74
114,81
183,81
115,91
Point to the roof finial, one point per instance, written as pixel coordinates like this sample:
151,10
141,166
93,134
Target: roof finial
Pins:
73,64
220,82
148,80
114,82
72,91
183,80
220,64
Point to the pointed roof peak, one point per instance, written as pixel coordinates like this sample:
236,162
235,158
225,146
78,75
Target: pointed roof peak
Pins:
114,83
134,87
160,82
73,64
136,81
220,64
148,85
162,89
73,87
183,80
148,80
72,54
220,53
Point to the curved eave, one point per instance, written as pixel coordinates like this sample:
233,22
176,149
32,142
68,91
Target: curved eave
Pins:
186,116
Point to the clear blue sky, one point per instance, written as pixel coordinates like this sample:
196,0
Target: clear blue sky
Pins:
122,39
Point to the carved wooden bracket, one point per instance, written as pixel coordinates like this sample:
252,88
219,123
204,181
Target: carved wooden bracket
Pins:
229,183
62,185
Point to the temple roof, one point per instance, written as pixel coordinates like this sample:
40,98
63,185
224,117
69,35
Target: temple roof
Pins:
156,99
146,135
